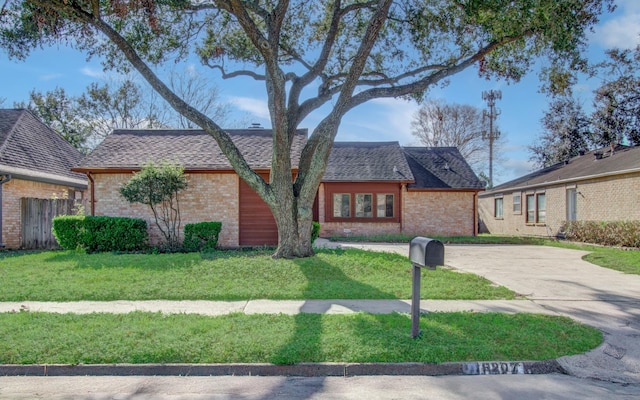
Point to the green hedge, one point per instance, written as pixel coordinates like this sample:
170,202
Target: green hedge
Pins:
96,234
114,234
68,231
315,231
201,236
614,233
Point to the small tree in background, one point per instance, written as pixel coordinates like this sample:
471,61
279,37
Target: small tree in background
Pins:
158,186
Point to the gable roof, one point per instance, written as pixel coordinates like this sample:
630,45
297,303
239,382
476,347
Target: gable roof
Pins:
31,150
194,149
623,159
366,162
440,168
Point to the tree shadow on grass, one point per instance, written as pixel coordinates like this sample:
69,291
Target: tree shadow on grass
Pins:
305,343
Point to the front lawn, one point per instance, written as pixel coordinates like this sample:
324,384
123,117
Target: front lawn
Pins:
227,275
41,338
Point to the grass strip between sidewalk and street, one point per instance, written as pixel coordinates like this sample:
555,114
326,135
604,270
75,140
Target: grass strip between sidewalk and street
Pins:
42,338
227,276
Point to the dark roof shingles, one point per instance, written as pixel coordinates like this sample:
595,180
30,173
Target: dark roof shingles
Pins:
367,162
27,143
624,158
194,149
440,168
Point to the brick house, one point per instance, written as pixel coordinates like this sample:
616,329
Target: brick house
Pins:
35,162
368,188
601,185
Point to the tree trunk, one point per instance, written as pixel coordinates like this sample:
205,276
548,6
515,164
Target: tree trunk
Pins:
294,221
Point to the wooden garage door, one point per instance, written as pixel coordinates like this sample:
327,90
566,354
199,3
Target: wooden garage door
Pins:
257,226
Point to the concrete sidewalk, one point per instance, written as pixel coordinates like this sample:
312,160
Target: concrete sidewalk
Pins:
290,307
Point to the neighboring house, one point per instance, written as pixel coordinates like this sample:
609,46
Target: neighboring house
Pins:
368,188
35,162
601,185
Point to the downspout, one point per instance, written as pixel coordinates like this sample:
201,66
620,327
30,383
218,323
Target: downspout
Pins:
93,194
475,213
4,179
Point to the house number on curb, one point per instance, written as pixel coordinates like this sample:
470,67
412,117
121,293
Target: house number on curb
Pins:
493,368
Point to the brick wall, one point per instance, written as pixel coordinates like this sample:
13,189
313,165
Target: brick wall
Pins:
209,197
602,199
439,213
12,192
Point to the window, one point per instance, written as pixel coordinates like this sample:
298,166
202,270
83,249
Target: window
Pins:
364,205
362,202
517,206
498,210
536,208
341,205
384,206
531,208
572,204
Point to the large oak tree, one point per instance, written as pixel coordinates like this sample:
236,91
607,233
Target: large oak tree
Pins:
309,54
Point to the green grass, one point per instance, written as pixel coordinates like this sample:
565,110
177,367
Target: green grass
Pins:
627,261
29,338
331,274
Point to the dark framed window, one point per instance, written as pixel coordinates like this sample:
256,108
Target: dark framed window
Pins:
536,208
364,205
362,202
385,206
341,205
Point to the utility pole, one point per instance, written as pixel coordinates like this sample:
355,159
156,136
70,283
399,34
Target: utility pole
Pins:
492,114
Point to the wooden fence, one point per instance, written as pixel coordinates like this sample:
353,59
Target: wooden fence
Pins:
37,221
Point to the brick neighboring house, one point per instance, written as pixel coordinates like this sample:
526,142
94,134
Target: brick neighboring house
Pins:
35,162
601,185
368,188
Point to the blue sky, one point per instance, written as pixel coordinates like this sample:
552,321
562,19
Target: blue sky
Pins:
521,106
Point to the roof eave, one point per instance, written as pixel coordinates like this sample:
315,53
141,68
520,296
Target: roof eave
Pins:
29,175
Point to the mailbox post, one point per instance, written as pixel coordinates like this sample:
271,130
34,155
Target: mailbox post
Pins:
423,252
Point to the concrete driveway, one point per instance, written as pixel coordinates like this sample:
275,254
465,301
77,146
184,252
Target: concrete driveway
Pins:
559,281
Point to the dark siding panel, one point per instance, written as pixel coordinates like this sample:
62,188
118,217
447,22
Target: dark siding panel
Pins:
257,225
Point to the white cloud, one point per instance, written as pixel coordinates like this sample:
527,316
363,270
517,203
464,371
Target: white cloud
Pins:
50,77
256,107
623,29
383,120
92,72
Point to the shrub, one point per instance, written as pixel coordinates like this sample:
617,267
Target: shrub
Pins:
614,233
315,231
201,236
68,231
114,234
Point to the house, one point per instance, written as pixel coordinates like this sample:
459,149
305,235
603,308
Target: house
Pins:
368,188
601,185
35,162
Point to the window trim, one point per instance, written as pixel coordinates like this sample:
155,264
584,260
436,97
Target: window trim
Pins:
333,203
393,206
519,203
354,188
535,218
364,205
496,200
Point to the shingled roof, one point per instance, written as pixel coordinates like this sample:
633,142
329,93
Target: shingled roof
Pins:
440,168
623,159
194,149
367,162
31,150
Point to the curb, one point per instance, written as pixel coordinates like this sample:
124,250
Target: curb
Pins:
305,369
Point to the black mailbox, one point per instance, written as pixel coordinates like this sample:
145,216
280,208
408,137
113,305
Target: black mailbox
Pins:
426,252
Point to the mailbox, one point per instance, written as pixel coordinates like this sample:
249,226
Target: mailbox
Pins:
425,252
